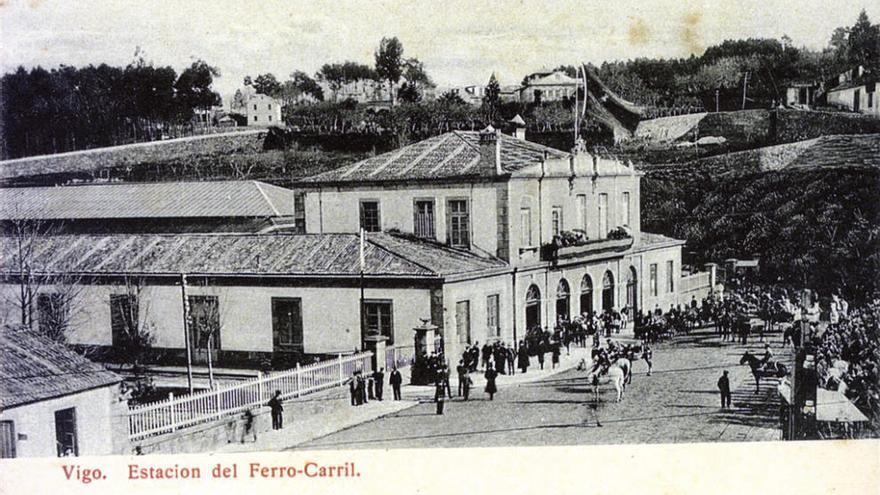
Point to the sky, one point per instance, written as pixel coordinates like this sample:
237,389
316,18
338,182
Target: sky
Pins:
460,42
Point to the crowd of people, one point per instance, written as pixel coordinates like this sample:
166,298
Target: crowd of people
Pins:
848,354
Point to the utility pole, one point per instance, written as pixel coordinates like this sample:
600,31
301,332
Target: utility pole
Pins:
186,339
745,89
717,100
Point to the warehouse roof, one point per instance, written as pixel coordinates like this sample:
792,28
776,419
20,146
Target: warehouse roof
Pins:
35,368
279,254
451,155
151,200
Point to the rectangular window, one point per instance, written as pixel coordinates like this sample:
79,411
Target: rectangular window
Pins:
625,210
299,212
287,325
423,220
670,277
255,118
255,106
556,220
204,326
582,212
459,223
123,318
493,313
269,106
270,118
52,314
525,220
65,433
379,319
653,272
463,321
603,216
370,220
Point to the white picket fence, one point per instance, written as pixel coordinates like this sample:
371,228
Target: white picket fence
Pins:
174,413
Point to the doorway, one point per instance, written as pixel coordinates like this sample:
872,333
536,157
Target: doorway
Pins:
533,307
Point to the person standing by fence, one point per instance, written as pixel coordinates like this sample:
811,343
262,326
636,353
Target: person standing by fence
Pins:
277,410
379,383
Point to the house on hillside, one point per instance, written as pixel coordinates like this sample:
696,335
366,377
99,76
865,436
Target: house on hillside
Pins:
802,94
55,402
547,86
161,207
856,91
262,111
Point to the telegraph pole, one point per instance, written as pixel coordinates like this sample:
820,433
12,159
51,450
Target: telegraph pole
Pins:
186,339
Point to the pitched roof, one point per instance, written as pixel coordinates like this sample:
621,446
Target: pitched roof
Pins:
35,368
135,154
280,254
454,154
154,200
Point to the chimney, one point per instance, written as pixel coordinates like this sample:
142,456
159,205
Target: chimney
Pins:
490,150
520,133
519,127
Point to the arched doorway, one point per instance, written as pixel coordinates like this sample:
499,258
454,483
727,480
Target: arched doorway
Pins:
586,294
632,291
563,300
607,291
533,307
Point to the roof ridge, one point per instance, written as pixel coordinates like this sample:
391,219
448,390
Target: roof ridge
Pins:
407,259
266,197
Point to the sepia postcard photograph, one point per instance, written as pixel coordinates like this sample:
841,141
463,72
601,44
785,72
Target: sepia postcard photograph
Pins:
439,233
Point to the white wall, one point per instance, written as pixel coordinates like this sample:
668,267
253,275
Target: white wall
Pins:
94,425
337,211
331,319
476,291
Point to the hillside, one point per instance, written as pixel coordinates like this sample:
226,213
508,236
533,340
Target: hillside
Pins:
810,209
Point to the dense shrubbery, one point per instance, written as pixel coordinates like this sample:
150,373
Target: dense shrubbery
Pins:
816,227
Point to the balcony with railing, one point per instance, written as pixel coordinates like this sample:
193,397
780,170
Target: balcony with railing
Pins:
573,244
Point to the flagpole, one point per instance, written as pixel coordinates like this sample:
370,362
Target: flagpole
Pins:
362,263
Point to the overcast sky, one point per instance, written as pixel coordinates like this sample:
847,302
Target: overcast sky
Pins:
460,42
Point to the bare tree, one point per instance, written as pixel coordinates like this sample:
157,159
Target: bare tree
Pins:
135,335
47,287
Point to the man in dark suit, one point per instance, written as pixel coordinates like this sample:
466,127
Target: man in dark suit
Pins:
724,388
395,380
277,410
379,383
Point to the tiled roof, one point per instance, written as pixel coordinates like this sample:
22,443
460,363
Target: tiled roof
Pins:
649,240
279,254
452,155
34,368
153,200
434,256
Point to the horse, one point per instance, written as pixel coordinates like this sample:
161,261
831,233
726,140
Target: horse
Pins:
759,368
618,372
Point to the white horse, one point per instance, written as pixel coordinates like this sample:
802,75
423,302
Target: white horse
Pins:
618,373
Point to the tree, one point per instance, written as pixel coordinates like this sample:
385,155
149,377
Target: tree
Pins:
450,99
306,85
46,288
267,84
389,63
194,90
136,336
864,44
839,44
492,98
338,75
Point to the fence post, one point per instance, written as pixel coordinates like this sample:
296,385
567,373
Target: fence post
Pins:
339,365
298,379
259,388
217,403
173,415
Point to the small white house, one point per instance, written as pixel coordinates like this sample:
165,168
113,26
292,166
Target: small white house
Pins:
856,91
54,402
262,110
